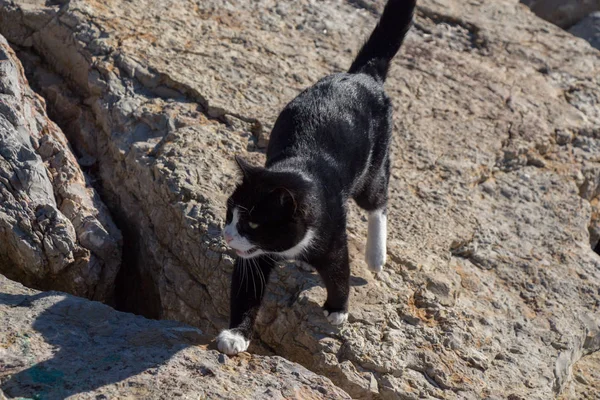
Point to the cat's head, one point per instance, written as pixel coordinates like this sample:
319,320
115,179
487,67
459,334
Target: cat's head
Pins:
269,213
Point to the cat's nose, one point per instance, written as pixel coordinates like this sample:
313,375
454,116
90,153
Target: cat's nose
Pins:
228,238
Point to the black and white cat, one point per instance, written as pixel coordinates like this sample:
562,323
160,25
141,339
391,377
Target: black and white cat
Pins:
328,145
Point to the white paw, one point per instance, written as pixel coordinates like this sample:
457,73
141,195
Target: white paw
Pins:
231,343
305,266
336,318
376,260
376,253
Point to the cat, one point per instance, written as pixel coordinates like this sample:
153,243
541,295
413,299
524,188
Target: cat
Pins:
329,144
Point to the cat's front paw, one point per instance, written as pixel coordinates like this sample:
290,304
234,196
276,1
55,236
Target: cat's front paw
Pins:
232,342
337,317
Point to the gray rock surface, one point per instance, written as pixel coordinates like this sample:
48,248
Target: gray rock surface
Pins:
588,29
57,346
564,13
491,286
586,379
54,230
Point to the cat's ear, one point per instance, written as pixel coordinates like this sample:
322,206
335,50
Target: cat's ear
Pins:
286,199
245,167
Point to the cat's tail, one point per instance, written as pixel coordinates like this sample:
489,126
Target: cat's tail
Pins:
385,41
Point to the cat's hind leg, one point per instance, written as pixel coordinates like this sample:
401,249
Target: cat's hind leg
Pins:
373,198
376,252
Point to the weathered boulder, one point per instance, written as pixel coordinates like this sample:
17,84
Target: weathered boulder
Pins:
54,346
491,286
586,379
588,29
55,233
564,13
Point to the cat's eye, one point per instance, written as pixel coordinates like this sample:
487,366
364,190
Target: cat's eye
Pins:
253,225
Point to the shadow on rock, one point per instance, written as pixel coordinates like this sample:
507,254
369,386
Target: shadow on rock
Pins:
86,345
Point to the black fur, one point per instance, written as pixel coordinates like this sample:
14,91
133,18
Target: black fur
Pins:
328,145
385,41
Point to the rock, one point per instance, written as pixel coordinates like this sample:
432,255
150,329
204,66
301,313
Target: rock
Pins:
442,289
563,137
564,13
53,345
55,233
588,343
490,262
587,378
589,29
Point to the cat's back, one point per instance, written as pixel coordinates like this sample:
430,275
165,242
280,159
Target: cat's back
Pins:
342,92
340,110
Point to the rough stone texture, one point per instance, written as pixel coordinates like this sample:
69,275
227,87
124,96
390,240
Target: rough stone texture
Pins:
586,379
588,29
54,231
564,13
56,346
491,289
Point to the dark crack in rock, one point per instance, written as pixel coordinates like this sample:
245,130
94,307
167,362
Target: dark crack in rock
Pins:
55,233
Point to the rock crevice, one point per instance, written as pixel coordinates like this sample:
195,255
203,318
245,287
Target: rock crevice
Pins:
56,233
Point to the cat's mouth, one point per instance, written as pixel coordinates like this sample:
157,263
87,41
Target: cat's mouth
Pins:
247,252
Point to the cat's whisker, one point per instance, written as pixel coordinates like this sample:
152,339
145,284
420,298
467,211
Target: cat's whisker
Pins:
270,258
261,276
255,266
245,273
252,273
239,272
